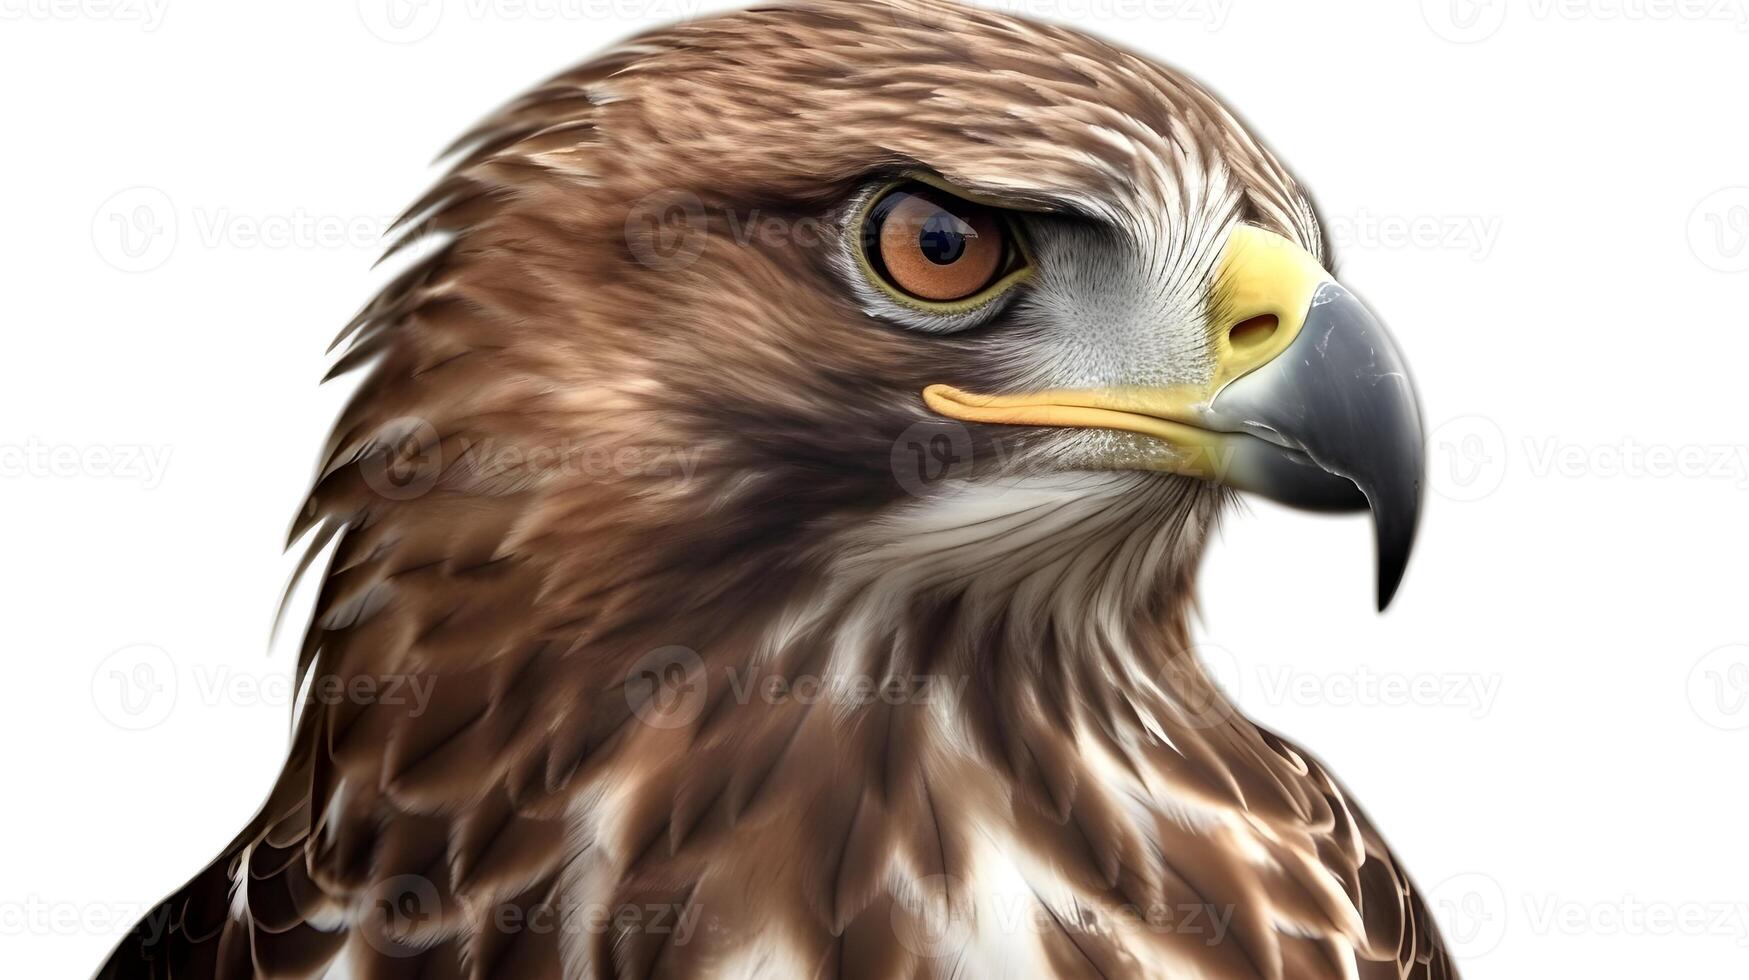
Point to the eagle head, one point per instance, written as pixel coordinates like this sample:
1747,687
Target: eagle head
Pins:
821,287
784,460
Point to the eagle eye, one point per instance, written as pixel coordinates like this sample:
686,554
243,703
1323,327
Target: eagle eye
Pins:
936,252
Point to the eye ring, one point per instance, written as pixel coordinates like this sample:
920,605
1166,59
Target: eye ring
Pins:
935,252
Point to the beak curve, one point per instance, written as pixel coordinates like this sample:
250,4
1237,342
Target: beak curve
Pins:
1340,424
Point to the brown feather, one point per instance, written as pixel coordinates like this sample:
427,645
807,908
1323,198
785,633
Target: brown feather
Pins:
569,449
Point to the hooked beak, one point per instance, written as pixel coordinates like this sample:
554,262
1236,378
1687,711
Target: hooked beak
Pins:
1310,403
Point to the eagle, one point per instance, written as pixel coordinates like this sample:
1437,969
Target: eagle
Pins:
762,538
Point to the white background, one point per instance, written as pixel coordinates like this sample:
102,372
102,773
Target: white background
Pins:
1549,202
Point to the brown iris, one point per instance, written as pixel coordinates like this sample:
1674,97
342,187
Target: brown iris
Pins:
934,246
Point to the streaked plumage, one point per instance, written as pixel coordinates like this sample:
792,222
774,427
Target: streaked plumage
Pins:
1071,791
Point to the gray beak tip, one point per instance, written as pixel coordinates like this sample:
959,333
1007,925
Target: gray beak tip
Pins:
1389,579
1396,517
1341,396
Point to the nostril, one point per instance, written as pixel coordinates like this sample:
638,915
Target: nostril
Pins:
1253,333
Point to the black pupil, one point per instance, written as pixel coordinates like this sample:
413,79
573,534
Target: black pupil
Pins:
943,238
